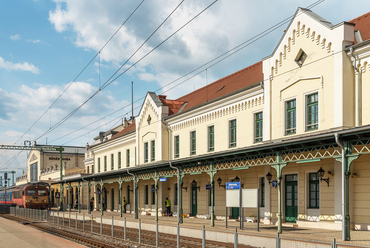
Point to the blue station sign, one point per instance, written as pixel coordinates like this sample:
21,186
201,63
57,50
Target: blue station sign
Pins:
208,186
163,179
233,185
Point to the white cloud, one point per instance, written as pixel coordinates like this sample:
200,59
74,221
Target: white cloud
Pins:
15,37
18,66
20,109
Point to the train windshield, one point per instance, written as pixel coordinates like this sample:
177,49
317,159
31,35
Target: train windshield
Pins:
42,192
31,192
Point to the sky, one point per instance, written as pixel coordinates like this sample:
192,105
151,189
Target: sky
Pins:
55,58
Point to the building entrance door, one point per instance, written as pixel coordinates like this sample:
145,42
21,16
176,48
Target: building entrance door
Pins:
234,213
291,198
194,200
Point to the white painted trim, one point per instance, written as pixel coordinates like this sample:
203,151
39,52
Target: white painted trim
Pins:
298,80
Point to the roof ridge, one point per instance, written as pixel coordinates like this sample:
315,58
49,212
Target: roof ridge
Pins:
221,79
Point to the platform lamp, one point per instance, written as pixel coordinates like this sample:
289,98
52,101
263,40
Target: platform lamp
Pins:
219,181
321,173
128,188
194,185
237,179
269,177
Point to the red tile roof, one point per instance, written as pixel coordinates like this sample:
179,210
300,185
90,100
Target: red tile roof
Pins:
131,127
236,81
174,105
362,23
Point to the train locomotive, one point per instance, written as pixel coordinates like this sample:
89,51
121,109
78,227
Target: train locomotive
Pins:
27,196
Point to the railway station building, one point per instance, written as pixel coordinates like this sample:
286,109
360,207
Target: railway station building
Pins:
295,125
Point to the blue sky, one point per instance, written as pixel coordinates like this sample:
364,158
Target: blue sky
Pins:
46,44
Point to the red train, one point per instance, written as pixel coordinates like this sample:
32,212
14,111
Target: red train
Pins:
28,196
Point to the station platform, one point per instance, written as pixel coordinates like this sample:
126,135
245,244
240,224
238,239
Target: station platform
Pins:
266,235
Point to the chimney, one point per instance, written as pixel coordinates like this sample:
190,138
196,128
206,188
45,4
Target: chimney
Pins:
125,122
162,97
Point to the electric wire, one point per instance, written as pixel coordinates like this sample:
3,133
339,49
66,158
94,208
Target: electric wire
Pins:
79,74
252,40
106,84
237,48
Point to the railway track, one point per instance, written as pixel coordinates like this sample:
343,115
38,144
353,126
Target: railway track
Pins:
92,238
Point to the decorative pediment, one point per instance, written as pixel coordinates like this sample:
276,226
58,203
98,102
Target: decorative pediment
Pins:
305,25
33,157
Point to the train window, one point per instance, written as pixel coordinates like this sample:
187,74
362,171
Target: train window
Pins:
31,192
42,192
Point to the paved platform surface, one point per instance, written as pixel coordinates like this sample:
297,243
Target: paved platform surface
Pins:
361,238
14,234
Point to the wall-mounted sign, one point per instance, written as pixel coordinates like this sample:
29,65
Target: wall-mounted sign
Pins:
208,186
163,179
274,183
233,185
153,189
57,195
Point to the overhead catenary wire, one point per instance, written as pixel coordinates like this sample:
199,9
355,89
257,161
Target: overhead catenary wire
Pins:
79,74
109,81
234,49
220,57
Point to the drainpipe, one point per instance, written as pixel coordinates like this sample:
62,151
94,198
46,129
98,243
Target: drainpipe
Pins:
136,214
358,88
179,186
343,180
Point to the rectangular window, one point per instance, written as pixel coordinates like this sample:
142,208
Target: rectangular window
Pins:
193,143
258,127
152,145
312,112
290,117
262,192
105,163
92,169
31,192
211,138
119,160
177,146
98,164
153,194
112,161
314,191
128,158
146,152
41,192
232,133
146,194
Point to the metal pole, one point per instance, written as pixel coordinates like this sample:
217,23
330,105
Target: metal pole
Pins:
236,238
226,217
178,235
101,224
278,241
139,231
156,234
240,208
124,230
334,244
204,237
112,226
258,210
